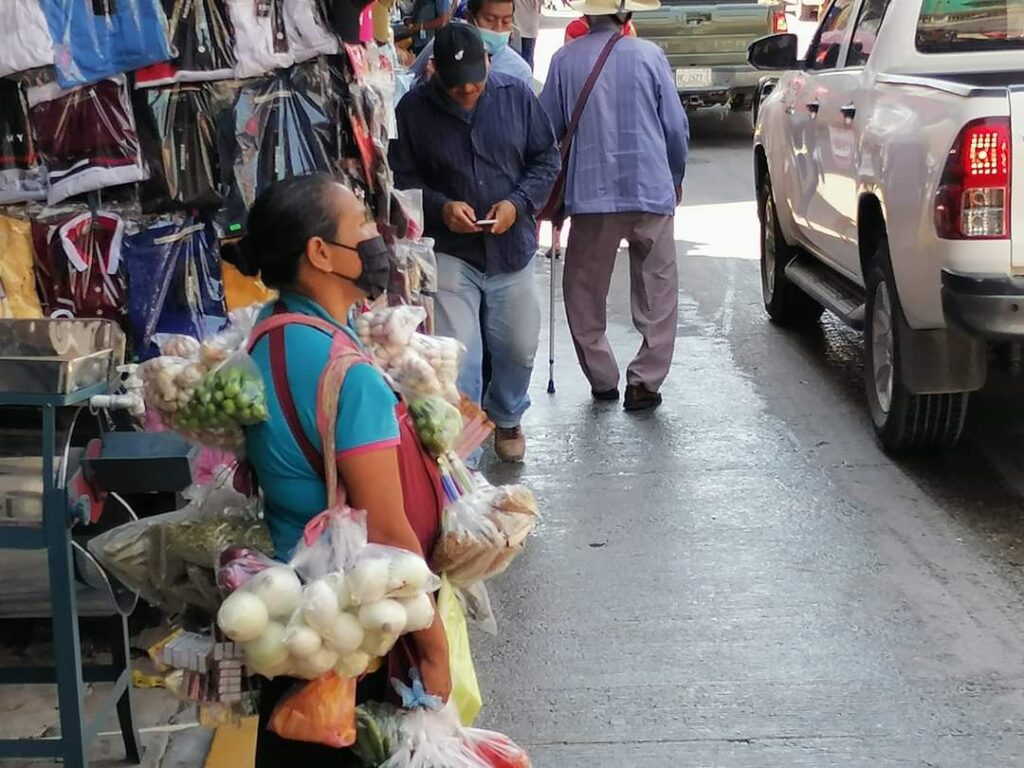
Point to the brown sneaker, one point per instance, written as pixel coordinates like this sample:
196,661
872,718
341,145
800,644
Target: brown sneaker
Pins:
510,444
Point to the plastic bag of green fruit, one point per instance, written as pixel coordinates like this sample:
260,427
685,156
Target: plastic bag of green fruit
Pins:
438,423
225,400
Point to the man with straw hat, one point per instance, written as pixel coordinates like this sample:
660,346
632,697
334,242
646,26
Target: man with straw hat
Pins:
612,100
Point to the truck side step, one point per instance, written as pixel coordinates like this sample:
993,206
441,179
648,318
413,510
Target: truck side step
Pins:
834,292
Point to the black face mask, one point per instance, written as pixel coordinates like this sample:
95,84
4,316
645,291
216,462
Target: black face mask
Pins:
376,260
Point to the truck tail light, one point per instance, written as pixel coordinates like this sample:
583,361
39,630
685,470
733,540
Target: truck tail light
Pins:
779,23
973,199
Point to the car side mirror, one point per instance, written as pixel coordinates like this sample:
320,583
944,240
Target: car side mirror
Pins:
774,53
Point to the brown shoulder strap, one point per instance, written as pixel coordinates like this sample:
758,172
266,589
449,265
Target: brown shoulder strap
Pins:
588,87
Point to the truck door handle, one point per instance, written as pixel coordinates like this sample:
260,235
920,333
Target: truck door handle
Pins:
849,111
813,107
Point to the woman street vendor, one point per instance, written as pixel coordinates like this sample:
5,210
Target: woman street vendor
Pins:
311,238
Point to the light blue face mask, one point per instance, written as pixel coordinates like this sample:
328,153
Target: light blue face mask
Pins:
494,41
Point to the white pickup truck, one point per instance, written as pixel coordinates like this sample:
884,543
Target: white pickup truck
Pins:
889,168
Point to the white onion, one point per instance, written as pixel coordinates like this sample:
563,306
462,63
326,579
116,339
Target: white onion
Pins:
242,617
419,611
387,616
302,641
319,606
346,635
280,590
339,583
352,665
378,643
268,650
319,663
408,576
368,580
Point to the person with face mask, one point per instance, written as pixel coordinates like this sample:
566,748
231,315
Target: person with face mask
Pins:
481,148
310,238
493,19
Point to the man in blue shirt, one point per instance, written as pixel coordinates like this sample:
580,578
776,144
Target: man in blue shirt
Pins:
494,20
481,148
624,181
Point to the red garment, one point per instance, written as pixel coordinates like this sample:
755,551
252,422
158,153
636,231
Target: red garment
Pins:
78,266
581,26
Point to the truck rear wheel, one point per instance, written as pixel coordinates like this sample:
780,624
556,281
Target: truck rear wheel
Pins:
784,302
903,421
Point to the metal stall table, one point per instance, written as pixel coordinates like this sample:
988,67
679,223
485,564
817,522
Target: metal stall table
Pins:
50,365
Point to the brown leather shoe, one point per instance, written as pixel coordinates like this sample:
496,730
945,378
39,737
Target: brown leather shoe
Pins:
640,398
510,444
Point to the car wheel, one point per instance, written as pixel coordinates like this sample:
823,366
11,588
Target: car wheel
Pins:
903,421
784,302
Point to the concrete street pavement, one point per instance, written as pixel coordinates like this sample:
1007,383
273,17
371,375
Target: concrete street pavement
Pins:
742,579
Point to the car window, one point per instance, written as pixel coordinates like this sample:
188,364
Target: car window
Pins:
864,34
965,26
824,54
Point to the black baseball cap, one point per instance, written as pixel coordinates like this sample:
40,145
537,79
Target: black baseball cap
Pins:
459,55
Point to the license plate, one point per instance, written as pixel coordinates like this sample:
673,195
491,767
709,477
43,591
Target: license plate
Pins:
693,77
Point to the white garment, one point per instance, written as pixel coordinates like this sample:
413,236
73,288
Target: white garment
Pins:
261,46
307,36
527,17
25,41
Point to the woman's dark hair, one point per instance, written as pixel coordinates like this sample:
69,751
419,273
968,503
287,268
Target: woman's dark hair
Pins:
474,7
282,220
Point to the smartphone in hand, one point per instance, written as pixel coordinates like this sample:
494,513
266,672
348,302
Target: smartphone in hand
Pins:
486,222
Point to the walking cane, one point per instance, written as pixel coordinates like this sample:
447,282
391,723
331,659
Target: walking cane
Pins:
554,254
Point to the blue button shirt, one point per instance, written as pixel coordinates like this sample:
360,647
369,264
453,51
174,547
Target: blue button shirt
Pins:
506,61
629,153
293,491
503,150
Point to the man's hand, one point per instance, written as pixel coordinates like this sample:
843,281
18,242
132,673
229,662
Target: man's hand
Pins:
460,218
504,214
679,195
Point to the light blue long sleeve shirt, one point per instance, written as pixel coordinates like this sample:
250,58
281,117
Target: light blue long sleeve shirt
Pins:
629,152
506,61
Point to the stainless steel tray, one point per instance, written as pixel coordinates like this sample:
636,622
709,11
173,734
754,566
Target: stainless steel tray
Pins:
58,356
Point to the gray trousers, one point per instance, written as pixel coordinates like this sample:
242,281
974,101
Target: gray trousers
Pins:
654,292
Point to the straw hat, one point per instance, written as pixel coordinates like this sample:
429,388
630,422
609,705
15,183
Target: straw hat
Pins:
609,7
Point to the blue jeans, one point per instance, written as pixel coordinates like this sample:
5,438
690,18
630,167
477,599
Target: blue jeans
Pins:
504,309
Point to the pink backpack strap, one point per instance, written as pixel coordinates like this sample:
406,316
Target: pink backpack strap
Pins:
344,354
281,319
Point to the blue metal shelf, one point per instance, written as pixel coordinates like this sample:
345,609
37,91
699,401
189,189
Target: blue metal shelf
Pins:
76,733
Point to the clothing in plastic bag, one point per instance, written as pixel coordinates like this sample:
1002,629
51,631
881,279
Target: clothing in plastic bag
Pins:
308,33
261,37
203,39
25,41
465,696
79,271
18,298
95,39
175,279
22,175
283,126
178,125
86,137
